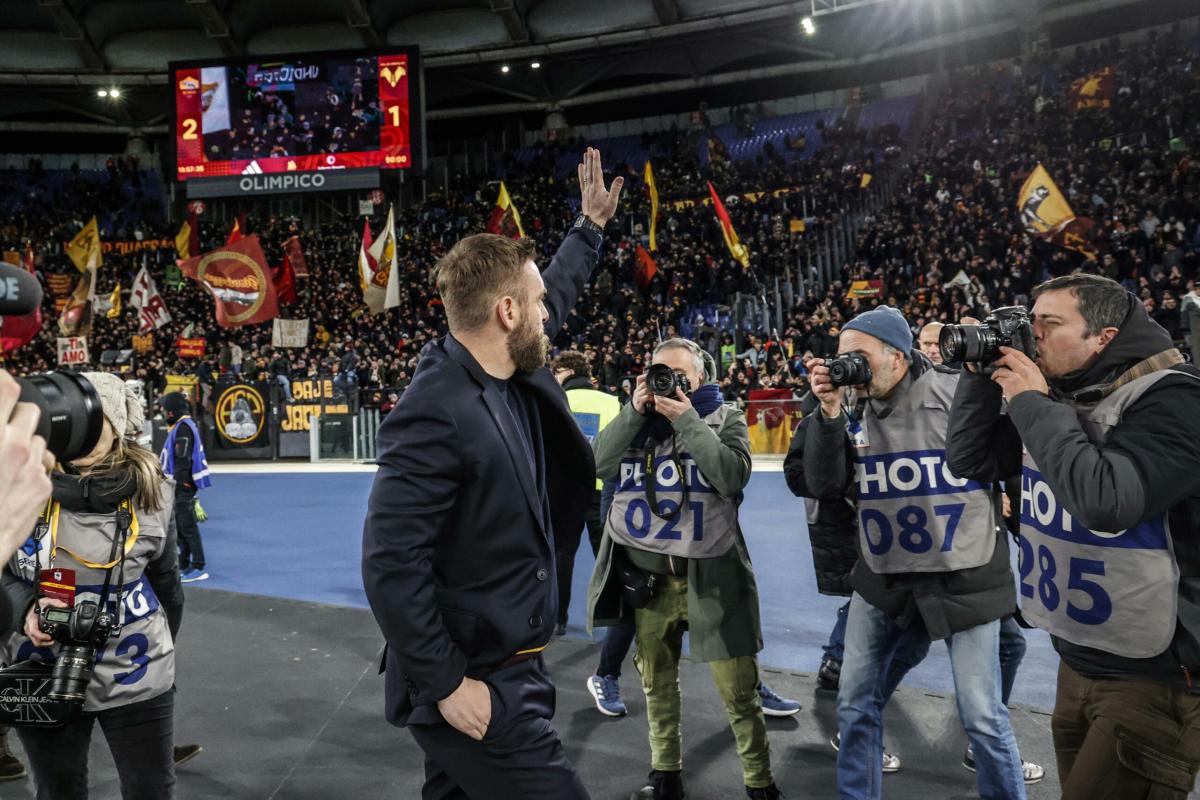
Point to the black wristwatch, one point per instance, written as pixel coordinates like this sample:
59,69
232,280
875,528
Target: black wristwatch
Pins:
585,222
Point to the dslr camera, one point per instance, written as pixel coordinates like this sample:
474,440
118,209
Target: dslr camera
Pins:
850,369
34,694
663,381
80,630
980,344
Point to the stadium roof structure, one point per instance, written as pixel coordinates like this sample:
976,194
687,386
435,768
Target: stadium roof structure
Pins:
595,57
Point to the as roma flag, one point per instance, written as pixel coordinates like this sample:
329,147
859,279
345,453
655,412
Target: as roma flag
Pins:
1042,207
646,269
239,280
736,248
238,231
505,219
1092,91
1079,235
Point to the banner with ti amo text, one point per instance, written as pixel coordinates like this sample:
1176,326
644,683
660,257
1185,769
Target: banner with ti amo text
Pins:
237,277
290,333
312,397
73,352
240,416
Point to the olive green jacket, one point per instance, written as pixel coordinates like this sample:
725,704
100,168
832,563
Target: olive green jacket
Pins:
723,615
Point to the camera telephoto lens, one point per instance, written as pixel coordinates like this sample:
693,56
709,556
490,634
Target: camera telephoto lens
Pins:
968,344
72,419
72,672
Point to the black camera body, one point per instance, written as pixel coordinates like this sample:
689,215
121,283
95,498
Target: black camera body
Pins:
80,630
38,695
980,344
663,381
849,369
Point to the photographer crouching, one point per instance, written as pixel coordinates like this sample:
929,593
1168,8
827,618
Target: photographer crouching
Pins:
674,558
1105,428
86,590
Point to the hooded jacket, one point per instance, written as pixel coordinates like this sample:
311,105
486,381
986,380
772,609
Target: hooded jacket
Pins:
1148,465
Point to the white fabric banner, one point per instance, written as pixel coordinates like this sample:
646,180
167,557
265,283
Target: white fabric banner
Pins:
290,333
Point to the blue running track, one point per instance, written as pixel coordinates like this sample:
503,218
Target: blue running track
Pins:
297,535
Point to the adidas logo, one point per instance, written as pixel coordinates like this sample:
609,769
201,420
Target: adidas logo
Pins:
252,169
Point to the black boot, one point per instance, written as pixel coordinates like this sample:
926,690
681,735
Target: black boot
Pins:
11,767
829,675
765,793
661,786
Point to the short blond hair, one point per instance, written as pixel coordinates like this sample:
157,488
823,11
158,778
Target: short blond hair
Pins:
477,272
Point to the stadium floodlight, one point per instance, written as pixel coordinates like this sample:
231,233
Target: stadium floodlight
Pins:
102,93
536,65
504,67
114,92
808,26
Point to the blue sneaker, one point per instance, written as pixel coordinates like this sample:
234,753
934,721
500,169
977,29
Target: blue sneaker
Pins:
607,694
775,706
193,575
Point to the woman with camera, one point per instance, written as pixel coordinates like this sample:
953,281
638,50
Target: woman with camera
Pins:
104,543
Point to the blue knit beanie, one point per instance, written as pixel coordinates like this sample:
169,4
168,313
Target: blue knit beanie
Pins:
886,324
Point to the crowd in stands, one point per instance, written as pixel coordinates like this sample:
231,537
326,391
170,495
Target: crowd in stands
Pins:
948,243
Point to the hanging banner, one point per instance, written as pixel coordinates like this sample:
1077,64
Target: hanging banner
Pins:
290,333
240,416
60,285
191,348
188,384
73,352
872,288
132,246
142,343
312,397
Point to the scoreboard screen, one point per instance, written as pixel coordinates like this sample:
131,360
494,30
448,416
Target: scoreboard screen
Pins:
278,114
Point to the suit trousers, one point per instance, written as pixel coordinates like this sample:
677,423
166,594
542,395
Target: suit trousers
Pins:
520,756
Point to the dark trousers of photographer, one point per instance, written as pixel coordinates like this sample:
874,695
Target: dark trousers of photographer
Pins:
191,548
1127,739
565,547
140,736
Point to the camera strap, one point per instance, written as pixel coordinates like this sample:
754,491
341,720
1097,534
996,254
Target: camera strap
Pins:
127,522
125,518
652,482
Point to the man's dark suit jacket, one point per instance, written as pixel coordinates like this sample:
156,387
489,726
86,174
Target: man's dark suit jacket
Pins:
458,564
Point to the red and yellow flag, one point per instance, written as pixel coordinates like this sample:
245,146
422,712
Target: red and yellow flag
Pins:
652,190
187,241
646,269
505,219
736,248
1092,91
239,281
84,249
239,229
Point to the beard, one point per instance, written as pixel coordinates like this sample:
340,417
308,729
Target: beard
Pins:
885,377
528,346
